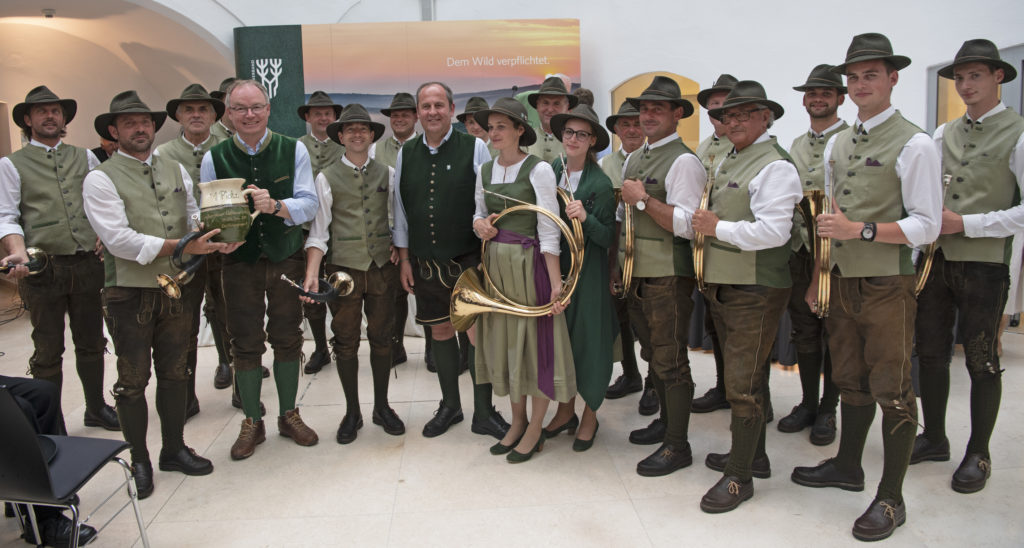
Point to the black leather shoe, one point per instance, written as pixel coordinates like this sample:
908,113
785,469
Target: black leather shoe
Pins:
712,400
665,460
444,417
654,433
266,372
222,378
236,402
317,361
186,461
105,418
880,520
649,403
760,468
398,355
973,472
350,424
726,495
624,386
386,418
192,409
143,474
824,430
56,531
926,449
827,475
798,419
493,425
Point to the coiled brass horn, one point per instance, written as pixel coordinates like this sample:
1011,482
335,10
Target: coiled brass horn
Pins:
469,295
924,263
823,245
37,261
629,248
172,285
338,284
698,238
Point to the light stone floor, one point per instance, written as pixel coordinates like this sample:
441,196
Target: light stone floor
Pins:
449,491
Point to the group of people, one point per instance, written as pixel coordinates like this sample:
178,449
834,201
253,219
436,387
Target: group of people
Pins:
407,214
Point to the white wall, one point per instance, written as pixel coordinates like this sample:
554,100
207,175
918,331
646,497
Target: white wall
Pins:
776,43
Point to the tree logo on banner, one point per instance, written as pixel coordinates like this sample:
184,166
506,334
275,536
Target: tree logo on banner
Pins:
268,71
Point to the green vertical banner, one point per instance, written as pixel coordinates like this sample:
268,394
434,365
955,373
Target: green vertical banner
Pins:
272,56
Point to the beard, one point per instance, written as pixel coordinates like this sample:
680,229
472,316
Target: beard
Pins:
133,146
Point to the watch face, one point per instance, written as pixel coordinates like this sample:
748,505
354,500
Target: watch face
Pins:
640,206
868,233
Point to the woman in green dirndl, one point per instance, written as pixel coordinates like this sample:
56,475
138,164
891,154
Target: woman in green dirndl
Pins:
591,315
521,356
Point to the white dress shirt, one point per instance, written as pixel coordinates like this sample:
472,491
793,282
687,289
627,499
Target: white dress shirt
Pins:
684,185
319,231
302,205
995,224
918,168
107,216
542,178
10,189
400,233
774,193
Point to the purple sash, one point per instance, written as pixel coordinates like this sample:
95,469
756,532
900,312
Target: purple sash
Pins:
545,324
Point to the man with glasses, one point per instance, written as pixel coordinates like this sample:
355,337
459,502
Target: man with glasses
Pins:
663,181
278,169
746,267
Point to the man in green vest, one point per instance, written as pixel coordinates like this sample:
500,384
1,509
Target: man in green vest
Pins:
41,206
888,199
823,93
351,234
140,206
983,152
278,169
663,181
551,99
626,125
435,178
197,111
223,128
746,268
319,112
711,151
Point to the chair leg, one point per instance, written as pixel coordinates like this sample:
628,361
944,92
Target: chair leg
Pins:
78,525
133,495
35,526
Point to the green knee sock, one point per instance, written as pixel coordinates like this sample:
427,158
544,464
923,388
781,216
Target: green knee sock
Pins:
986,391
677,403
171,399
286,374
380,366
897,447
659,389
856,422
249,384
482,404
348,372
446,360
745,434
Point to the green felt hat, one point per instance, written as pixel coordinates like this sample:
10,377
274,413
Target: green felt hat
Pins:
352,114
472,105
126,102
320,99
868,47
553,86
194,92
587,114
514,110
663,88
747,92
979,50
41,96
626,110
725,82
823,77
401,101
222,91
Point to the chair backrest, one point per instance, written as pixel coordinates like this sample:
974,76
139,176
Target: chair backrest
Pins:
24,474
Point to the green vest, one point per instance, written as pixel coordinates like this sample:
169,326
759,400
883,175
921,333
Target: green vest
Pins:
52,214
725,263
190,157
719,146
321,154
272,168
612,164
547,147
386,150
524,223
437,192
807,152
871,193
359,233
146,191
657,252
978,158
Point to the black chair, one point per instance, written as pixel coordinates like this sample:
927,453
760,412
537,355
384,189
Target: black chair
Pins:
50,470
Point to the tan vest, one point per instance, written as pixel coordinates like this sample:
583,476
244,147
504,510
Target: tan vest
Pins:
386,150
359,233
321,154
190,157
720,147
547,147
612,164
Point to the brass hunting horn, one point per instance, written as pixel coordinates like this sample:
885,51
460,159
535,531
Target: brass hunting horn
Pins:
924,263
171,285
338,284
698,238
37,261
629,248
822,244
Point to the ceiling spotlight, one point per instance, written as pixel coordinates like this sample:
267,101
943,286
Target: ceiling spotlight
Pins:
49,13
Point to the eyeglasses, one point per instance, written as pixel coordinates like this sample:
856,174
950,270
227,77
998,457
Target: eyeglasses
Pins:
741,116
255,109
580,135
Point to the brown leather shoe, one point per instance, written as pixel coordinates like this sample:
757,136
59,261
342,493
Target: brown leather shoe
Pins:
291,426
726,495
880,520
252,434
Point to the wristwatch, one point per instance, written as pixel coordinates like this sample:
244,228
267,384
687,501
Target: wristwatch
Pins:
277,207
868,232
642,204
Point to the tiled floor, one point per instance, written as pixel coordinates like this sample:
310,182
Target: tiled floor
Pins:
449,491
